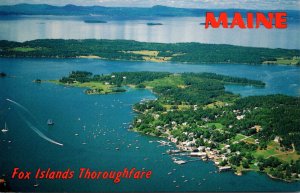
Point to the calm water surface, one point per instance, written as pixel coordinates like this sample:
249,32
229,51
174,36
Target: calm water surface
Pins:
187,29
101,122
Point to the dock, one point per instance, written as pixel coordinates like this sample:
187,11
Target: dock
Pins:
180,162
197,154
174,151
224,168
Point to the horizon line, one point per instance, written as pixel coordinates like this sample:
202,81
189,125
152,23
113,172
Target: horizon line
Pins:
188,8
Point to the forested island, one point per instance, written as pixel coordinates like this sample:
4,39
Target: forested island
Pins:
2,74
128,50
194,111
94,21
153,24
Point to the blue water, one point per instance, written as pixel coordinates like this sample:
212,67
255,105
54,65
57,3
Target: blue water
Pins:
101,121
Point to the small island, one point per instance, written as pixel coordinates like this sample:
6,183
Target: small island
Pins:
37,81
153,24
2,74
195,112
94,21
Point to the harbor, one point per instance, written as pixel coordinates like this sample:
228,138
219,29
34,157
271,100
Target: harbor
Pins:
96,143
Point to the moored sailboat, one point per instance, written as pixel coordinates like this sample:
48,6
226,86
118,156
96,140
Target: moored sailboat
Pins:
50,122
5,128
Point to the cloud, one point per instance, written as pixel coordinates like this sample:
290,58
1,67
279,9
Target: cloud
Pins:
211,4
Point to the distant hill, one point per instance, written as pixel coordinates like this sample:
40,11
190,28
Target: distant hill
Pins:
117,12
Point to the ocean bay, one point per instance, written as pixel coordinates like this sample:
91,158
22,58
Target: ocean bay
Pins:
172,30
101,122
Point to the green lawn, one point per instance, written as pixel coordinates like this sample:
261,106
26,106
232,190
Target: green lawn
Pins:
173,80
217,125
238,137
289,157
90,85
285,61
94,85
23,49
254,167
250,140
273,148
221,145
180,107
215,104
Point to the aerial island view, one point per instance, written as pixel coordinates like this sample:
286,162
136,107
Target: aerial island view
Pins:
127,96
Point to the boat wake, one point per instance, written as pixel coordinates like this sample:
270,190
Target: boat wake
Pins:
42,135
24,108
36,130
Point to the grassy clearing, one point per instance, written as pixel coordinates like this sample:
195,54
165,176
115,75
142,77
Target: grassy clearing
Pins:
150,55
179,107
254,167
285,61
90,85
24,49
94,85
238,137
274,149
156,59
145,52
222,145
249,140
214,105
288,156
167,81
265,153
217,125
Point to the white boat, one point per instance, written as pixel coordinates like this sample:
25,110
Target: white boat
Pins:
163,143
50,122
5,128
179,162
36,184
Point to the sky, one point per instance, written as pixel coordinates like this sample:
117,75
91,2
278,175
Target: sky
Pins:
212,4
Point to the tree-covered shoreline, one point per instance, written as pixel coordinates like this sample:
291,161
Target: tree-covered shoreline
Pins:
128,50
193,110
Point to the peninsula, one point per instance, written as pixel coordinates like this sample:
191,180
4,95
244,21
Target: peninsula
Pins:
194,111
128,50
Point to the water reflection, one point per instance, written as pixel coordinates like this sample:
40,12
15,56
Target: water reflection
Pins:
186,29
